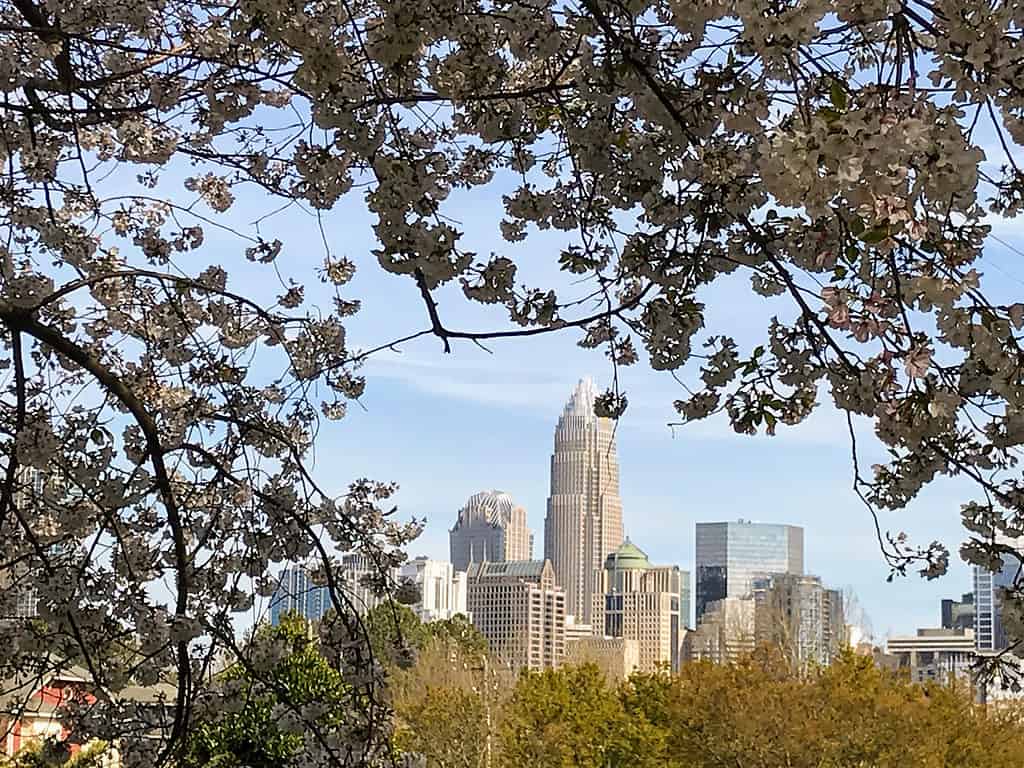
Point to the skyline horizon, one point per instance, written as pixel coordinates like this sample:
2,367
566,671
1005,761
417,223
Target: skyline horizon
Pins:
433,541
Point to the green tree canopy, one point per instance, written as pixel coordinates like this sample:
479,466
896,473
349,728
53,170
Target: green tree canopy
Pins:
263,718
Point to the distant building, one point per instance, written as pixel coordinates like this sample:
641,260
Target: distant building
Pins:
639,601
989,634
442,589
296,593
364,583
685,604
574,631
731,555
958,614
800,617
39,497
519,610
617,657
836,635
490,528
725,633
583,524
938,655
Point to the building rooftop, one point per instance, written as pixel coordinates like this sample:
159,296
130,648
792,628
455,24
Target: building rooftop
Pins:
627,557
514,569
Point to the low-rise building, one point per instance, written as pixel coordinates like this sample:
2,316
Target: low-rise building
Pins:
939,655
616,657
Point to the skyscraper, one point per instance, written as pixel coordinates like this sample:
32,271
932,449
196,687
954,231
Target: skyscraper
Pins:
584,515
491,528
795,614
958,614
731,555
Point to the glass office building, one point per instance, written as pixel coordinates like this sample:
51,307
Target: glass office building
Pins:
730,556
989,634
296,593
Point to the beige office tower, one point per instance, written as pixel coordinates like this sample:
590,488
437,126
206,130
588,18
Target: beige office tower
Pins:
584,516
519,610
639,601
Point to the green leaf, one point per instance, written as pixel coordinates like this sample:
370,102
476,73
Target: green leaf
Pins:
875,234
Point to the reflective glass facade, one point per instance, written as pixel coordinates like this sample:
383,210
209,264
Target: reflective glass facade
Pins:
731,555
296,593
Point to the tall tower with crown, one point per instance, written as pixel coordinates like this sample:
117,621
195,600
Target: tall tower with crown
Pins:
584,512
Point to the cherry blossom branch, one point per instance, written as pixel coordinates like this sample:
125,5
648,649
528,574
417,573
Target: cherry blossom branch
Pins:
20,320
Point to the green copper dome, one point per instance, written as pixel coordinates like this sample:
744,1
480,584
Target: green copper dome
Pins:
628,557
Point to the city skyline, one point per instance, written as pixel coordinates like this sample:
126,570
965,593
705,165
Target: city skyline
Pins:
664,496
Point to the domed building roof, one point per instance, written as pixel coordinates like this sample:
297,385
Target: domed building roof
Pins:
628,557
494,507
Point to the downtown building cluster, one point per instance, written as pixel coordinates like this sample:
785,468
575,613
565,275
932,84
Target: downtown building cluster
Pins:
592,594
971,630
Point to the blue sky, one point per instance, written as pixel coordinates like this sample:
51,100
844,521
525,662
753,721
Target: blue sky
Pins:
447,426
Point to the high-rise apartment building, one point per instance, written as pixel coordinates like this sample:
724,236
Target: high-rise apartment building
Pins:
800,617
442,589
519,609
639,601
490,528
731,555
584,512
837,636
296,593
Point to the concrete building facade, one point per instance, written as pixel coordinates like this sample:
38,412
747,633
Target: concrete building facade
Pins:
519,609
800,617
639,601
617,657
491,527
583,524
938,655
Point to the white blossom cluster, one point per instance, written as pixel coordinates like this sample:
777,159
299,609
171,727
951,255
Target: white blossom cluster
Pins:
828,149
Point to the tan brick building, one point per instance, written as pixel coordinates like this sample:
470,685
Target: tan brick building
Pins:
518,608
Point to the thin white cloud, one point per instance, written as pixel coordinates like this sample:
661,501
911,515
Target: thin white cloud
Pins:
493,382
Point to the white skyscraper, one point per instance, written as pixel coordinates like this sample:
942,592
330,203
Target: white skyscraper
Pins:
584,515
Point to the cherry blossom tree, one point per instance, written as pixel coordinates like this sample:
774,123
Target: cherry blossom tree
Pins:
158,423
